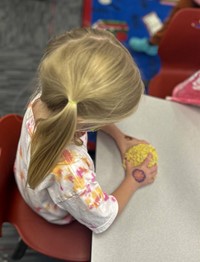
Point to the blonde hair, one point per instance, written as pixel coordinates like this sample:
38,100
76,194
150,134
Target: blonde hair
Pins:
87,79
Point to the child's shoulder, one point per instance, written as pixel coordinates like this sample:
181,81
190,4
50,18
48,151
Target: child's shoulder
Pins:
77,155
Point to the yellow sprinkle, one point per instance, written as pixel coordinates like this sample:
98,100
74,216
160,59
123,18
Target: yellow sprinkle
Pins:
137,154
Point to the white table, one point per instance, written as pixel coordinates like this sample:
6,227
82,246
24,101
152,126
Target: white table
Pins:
162,221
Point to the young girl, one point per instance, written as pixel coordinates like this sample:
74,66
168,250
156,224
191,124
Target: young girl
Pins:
87,80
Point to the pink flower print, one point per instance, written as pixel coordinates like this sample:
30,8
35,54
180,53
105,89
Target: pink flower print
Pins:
20,151
57,171
79,181
94,199
97,196
79,184
69,177
106,197
86,191
93,177
86,161
113,198
97,201
30,126
88,203
92,203
21,175
69,157
80,171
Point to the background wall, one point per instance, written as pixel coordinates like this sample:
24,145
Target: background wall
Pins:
25,28
132,12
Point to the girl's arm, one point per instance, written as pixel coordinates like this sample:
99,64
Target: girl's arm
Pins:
123,141
136,177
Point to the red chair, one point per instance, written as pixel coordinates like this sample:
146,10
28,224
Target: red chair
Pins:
70,242
179,52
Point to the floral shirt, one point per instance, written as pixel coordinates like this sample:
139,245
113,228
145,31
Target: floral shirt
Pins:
70,191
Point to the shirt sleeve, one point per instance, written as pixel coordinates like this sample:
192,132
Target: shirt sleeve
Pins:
77,191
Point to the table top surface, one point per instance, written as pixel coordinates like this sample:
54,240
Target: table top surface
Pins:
161,223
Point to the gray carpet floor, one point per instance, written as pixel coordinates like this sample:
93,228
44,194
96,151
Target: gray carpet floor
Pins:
25,28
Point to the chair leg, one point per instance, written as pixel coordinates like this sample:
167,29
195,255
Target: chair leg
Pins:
19,250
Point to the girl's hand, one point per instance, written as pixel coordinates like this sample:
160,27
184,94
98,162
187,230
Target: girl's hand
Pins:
141,175
127,142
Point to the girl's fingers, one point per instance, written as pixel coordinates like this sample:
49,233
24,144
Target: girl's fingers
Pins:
147,160
153,168
144,142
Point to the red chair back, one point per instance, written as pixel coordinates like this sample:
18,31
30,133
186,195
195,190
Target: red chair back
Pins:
179,52
10,127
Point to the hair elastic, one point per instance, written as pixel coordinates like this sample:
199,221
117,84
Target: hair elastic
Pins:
72,102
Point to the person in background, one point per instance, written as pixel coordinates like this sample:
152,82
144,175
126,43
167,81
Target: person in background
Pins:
150,46
87,80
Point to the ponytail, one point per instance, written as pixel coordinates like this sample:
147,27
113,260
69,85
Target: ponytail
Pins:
92,67
51,136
